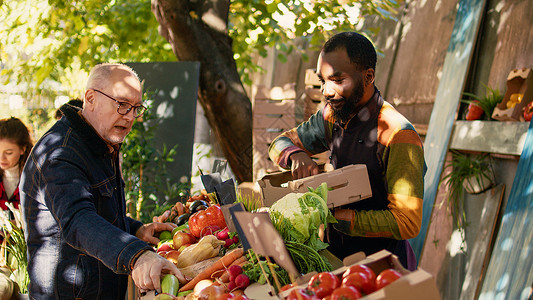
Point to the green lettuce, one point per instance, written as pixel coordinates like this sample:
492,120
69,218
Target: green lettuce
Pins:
298,216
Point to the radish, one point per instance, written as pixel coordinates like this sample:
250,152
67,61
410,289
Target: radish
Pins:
242,281
228,243
223,234
234,271
231,286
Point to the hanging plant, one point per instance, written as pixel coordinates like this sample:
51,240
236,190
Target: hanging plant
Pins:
470,172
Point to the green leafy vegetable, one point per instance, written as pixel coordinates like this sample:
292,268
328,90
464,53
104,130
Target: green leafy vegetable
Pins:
307,259
254,270
298,216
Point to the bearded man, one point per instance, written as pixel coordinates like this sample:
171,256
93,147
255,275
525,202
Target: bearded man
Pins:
359,127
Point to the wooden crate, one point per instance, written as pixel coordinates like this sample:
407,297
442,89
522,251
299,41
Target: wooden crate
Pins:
273,113
313,95
313,101
262,164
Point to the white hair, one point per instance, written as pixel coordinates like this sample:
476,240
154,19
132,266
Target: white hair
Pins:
99,75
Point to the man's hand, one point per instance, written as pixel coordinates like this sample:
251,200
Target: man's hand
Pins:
302,165
149,268
148,232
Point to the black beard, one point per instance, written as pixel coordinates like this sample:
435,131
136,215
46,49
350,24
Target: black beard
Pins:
349,108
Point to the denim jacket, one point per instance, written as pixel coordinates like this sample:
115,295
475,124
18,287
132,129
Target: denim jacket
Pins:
81,244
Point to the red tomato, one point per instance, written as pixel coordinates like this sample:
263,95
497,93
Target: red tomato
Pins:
528,111
474,111
386,277
360,281
322,284
301,294
286,287
360,269
346,293
212,216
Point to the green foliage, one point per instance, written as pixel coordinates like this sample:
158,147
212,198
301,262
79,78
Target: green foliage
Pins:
464,166
294,26
149,188
16,246
250,202
63,37
256,269
487,102
13,251
306,258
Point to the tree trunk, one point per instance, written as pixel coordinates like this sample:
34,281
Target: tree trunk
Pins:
197,31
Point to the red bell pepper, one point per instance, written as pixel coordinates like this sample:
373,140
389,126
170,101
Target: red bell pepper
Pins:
200,220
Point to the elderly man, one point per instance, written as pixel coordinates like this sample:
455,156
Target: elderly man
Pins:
81,244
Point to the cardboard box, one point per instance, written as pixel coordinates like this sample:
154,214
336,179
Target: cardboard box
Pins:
349,184
418,284
520,82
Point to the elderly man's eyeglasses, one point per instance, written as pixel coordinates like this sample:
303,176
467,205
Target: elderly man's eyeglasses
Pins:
124,108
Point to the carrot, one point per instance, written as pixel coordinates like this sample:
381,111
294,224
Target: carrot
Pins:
162,218
239,261
224,277
220,264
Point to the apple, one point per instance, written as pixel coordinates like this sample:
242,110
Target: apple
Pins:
181,238
172,255
184,227
166,246
165,235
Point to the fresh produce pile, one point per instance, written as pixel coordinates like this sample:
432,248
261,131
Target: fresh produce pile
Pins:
180,213
212,257
355,283
203,249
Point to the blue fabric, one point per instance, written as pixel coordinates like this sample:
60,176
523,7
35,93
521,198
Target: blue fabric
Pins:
80,242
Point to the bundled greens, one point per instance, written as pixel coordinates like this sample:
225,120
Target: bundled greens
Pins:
255,272
298,216
307,259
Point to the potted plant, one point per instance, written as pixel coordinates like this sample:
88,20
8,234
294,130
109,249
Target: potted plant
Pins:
479,106
470,172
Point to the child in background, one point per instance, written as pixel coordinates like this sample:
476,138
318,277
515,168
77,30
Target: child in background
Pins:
15,146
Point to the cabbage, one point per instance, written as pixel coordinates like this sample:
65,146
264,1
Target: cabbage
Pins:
298,216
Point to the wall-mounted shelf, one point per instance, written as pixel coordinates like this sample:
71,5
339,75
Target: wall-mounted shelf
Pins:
489,136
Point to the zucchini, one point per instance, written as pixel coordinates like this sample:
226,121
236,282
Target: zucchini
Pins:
170,284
